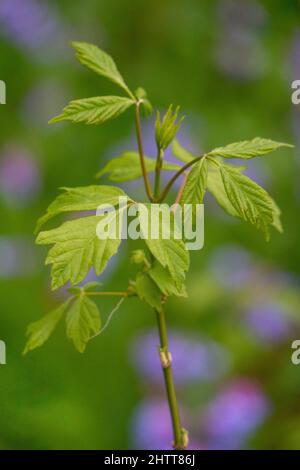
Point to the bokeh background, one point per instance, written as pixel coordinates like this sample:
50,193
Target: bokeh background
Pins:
229,64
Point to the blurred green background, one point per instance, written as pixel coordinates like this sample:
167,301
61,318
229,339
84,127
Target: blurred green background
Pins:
229,64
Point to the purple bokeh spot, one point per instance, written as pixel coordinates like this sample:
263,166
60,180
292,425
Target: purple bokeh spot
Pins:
231,265
152,429
20,179
246,14
294,58
194,359
42,102
269,322
239,52
29,23
235,413
17,257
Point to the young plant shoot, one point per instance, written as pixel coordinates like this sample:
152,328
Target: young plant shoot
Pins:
163,263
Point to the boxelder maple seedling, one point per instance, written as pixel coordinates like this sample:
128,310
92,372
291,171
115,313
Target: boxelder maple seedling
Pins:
163,263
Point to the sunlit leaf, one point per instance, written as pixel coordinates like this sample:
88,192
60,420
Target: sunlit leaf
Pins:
148,291
83,321
84,198
95,110
196,183
100,62
248,148
77,248
165,282
39,331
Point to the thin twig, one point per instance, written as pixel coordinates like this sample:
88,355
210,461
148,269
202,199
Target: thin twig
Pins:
112,294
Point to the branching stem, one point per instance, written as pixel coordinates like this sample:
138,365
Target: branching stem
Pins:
180,434
174,178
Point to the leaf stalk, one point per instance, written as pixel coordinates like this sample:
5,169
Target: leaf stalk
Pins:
174,178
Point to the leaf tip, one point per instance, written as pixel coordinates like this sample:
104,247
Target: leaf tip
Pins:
56,119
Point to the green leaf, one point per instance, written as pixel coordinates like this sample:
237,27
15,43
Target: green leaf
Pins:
181,153
251,202
248,148
215,186
95,110
171,253
77,248
81,199
148,291
41,330
196,183
165,282
100,62
277,224
166,130
127,167
83,321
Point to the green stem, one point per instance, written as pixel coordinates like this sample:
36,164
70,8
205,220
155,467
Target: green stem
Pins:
180,435
157,174
181,189
179,172
166,362
141,151
111,294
